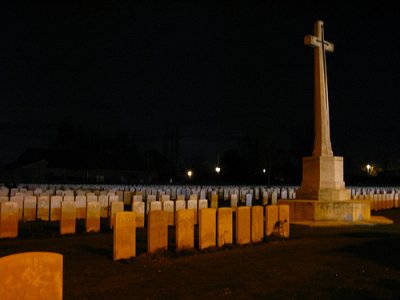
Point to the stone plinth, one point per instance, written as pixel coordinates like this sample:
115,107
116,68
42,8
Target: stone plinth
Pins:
323,179
31,275
124,237
184,229
224,226
312,210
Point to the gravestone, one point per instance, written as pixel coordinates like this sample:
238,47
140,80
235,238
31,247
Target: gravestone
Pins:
224,226
150,198
4,199
284,221
31,275
192,204
115,206
139,209
8,220
30,208
257,224
127,197
249,199
155,205
234,201
203,203
43,208
68,217
55,208
137,198
168,206
243,230
103,202
184,238
271,219
20,202
214,201
180,204
207,228
124,237
157,231
70,197
91,198
92,223
80,202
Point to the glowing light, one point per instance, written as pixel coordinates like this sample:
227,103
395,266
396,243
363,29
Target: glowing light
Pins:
218,169
190,173
264,171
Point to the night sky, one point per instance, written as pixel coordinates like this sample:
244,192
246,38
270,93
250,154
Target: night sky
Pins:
219,72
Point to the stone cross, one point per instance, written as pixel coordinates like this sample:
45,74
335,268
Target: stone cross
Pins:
322,139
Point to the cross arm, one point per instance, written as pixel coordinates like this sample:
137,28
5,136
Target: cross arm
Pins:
313,41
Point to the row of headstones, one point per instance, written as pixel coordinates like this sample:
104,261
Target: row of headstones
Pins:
215,228
48,208
174,192
379,198
67,217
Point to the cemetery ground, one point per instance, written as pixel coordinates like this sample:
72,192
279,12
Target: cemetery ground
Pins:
357,262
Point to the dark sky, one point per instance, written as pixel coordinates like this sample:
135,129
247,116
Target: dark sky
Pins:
219,71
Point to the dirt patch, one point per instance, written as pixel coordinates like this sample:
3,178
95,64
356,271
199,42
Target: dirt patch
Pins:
358,262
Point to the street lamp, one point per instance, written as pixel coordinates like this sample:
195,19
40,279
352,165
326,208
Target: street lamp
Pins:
264,171
217,169
369,168
190,174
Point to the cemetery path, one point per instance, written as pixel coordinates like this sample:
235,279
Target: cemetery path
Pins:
359,262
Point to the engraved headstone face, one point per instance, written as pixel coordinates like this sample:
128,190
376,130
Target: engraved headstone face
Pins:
19,276
124,235
69,197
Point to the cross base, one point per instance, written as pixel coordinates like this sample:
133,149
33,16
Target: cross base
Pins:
323,179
